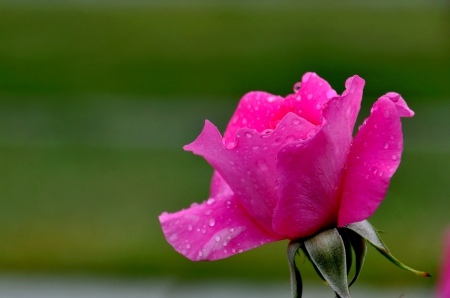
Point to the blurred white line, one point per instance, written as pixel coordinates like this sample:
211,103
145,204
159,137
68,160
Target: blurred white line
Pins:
16,286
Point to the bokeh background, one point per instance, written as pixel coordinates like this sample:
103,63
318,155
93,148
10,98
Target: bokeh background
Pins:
98,97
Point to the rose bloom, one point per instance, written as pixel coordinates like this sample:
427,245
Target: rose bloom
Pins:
287,168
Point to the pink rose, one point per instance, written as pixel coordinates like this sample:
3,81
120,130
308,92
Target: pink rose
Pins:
287,168
444,278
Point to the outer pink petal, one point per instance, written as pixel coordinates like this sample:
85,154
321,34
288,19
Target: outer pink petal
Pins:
219,186
216,229
400,103
309,101
249,167
255,111
374,157
311,172
444,278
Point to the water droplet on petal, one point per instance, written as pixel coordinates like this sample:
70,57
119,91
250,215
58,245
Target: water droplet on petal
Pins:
233,250
297,87
210,201
296,121
306,77
189,228
217,238
348,112
231,230
248,135
380,174
394,156
318,106
386,146
331,93
208,212
262,165
240,250
310,96
225,251
391,137
188,246
255,147
267,131
290,139
200,253
212,222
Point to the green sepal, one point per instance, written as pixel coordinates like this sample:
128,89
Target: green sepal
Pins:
296,278
359,245
365,230
327,252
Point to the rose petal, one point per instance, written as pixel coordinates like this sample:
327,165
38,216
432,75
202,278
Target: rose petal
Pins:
219,186
216,229
310,172
373,159
444,278
400,103
249,167
254,111
309,101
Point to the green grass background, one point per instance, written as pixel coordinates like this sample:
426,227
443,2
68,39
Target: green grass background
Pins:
97,100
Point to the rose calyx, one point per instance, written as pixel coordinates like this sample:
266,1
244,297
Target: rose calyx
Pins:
330,252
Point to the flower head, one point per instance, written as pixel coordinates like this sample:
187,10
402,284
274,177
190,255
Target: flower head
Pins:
287,168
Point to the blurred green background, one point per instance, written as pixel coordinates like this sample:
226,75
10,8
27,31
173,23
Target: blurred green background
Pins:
97,99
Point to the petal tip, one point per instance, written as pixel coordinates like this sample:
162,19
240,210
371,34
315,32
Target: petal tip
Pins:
209,131
400,103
